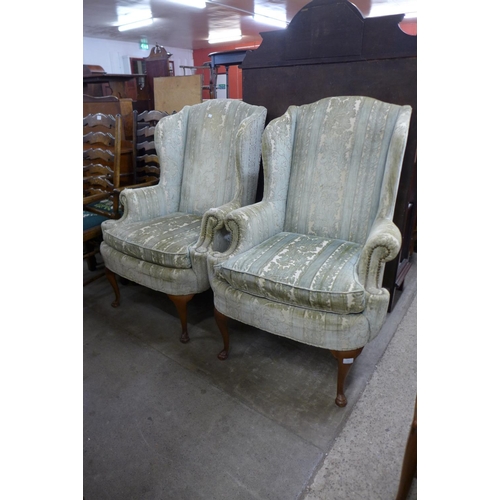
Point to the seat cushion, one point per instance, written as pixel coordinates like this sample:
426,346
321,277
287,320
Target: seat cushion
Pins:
91,219
164,241
305,271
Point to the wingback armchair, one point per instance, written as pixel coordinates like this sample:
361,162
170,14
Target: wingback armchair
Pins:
307,261
209,159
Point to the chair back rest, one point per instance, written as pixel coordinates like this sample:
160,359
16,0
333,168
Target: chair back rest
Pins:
146,161
338,167
101,154
209,172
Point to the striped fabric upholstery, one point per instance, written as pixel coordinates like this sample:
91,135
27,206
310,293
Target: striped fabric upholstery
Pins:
164,240
305,271
338,165
209,172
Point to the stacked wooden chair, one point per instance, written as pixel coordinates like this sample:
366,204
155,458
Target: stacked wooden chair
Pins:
102,138
146,162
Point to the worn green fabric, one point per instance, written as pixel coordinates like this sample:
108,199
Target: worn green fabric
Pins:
338,164
168,280
313,327
209,174
164,240
331,174
311,272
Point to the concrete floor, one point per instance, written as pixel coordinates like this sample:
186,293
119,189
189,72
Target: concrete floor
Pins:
164,420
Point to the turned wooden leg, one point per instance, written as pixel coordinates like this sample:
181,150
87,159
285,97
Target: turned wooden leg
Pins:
345,360
180,302
221,321
112,279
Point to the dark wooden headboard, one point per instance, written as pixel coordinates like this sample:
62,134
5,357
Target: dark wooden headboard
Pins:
330,49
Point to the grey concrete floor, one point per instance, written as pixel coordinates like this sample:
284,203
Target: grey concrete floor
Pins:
165,420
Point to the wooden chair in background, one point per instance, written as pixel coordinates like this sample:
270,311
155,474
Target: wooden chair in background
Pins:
102,138
146,162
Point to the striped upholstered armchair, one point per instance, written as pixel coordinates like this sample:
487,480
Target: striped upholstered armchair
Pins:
307,261
209,159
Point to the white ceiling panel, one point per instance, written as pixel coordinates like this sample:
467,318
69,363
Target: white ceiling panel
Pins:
180,25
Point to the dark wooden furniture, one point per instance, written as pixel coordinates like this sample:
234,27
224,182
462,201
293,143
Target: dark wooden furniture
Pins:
329,49
146,161
226,59
157,64
111,105
98,83
102,139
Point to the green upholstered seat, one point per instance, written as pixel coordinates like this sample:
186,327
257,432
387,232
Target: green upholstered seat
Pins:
164,241
304,271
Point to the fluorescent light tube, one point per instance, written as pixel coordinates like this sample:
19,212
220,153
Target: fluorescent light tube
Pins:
136,24
197,4
224,36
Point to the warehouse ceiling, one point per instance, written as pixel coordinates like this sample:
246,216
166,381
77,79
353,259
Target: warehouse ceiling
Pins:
178,24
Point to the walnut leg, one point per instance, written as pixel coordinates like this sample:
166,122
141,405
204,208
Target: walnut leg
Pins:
112,279
180,302
345,360
221,321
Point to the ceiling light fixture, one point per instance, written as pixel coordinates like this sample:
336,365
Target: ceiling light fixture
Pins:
224,36
136,24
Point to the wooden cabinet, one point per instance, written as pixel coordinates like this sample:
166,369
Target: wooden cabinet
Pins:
158,64
344,54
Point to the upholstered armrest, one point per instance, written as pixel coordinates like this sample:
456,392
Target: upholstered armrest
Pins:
143,203
213,221
248,227
382,245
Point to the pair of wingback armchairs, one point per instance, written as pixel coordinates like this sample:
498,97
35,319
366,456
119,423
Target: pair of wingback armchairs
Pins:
307,261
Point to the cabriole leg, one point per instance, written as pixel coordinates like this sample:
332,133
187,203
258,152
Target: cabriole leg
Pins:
112,279
221,321
345,360
180,302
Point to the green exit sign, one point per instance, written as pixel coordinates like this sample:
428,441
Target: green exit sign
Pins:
143,44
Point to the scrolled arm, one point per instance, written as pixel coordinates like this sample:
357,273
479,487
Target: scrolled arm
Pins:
211,224
382,245
248,227
143,203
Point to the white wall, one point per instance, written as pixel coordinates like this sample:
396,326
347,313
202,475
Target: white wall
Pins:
114,55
